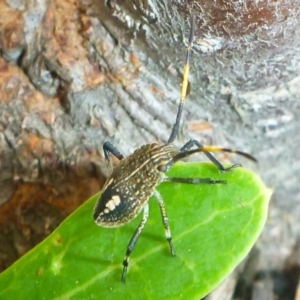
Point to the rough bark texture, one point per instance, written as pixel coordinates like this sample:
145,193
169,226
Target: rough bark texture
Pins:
74,74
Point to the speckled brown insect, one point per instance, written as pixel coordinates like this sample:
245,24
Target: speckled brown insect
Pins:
132,182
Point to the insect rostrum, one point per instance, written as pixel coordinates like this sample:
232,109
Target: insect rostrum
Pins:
134,180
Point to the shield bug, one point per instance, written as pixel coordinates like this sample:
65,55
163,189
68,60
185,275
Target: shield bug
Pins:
134,180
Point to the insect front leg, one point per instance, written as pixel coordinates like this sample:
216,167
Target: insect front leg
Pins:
165,221
192,143
134,240
194,180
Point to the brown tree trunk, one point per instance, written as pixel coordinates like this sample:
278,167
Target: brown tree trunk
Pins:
74,74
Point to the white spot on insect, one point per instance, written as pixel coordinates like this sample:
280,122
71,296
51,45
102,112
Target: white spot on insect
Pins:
113,202
106,210
116,199
110,205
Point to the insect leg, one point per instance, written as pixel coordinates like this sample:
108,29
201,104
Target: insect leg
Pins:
108,148
133,241
165,220
185,148
194,180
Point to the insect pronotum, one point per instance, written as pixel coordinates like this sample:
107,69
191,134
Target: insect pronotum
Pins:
134,180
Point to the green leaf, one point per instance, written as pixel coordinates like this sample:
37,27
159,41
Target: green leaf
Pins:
213,228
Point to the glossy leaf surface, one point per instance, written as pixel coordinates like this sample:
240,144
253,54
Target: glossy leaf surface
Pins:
213,228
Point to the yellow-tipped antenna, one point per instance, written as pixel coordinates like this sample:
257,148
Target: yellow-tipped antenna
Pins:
186,71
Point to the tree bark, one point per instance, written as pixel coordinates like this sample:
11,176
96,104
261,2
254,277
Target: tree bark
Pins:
74,74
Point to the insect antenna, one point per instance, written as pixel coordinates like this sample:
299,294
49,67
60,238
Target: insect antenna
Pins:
186,71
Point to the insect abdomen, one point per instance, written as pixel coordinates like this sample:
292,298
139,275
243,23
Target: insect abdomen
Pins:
113,209
130,186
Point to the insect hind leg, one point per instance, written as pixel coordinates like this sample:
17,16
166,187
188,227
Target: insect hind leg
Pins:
109,148
191,143
165,221
134,240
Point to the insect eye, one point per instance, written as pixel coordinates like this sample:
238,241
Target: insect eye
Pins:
154,145
165,167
